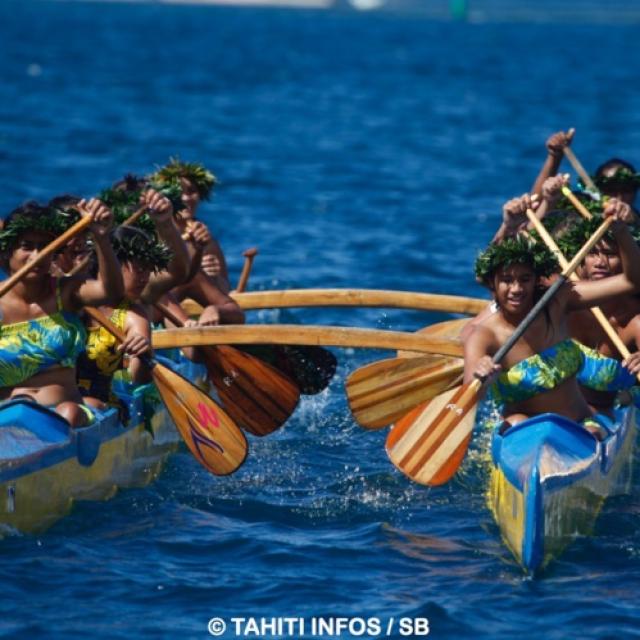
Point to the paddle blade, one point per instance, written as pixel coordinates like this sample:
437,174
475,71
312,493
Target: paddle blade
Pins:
212,437
311,367
256,395
429,443
382,392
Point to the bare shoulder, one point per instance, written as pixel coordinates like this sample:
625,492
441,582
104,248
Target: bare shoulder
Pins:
483,334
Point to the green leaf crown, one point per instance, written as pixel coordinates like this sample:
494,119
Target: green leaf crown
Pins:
621,176
196,173
35,217
134,245
516,250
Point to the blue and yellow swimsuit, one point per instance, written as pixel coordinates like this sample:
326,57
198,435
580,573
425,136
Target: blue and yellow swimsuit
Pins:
538,373
33,346
101,359
546,370
30,347
601,373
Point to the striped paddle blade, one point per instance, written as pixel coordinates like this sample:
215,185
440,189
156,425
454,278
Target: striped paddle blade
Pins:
383,391
259,397
212,437
429,443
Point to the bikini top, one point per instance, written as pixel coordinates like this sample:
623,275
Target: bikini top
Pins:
538,373
601,373
33,346
101,360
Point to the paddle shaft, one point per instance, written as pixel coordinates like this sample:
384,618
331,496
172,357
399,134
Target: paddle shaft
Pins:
582,210
249,255
580,170
50,249
552,290
134,216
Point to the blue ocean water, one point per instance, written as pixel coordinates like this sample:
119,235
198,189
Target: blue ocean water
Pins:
356,150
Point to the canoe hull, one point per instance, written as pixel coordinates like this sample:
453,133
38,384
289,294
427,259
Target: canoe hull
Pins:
45,466
550,478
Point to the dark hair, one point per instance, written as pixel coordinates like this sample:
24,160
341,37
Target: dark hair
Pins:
614,163
64,201
133,244
130,182
30,216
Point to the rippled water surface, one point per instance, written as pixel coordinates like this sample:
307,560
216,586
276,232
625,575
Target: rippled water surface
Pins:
356,150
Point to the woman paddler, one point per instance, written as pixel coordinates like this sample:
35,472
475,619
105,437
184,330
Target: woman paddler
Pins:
149,270
538,374
196,183
42,333
218,308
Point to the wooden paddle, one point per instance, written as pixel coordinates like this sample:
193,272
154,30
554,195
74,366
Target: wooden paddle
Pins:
304,334
311,368
211,435
249,256
49,250
256,395
133,218
352,298
429,443
381,392
580,170
580,208
596,311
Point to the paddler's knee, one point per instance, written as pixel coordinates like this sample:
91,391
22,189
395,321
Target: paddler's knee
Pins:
75,414
511,421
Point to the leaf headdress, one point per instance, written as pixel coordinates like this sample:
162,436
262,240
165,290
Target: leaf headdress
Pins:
34,217
621,176
124,200
516,250
131,244
196,173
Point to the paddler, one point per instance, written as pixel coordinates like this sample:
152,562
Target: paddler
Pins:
618,179
218,308
539,374
196,183
42,333
603,374
149,270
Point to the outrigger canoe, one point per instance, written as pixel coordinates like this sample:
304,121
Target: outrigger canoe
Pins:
550,478
45,466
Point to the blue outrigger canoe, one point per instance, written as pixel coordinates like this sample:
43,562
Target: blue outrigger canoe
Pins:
550,477
45,466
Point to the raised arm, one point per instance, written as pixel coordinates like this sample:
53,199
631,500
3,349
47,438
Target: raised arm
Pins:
178,268
555,150
108,287
514,216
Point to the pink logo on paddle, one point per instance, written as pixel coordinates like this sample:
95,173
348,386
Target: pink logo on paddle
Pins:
208,416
